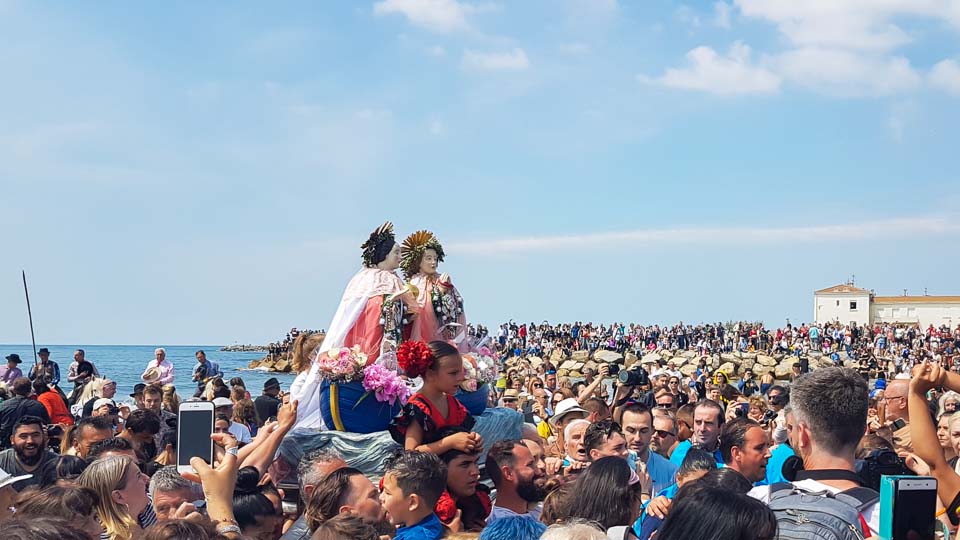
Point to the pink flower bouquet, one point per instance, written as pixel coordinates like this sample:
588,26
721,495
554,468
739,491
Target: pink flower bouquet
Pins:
343,364
385,384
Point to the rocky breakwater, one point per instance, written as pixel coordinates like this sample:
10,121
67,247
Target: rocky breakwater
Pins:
244,348
274,363
733,363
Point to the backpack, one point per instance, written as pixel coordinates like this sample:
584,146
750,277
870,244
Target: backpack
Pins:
820,515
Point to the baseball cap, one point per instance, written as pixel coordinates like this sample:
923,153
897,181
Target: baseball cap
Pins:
103,401
222,402
6,478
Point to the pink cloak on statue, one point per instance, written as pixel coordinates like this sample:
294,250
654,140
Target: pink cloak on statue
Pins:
431,299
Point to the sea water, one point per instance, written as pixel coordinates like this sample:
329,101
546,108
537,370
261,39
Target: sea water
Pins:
125,363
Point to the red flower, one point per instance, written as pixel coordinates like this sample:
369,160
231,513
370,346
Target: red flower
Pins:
414,358
446,508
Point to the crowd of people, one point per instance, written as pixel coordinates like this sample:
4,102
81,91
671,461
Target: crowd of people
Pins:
889,347
644,453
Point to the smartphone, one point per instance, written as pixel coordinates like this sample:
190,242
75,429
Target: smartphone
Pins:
908,507
194,427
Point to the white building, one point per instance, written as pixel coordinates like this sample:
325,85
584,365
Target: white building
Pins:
849,304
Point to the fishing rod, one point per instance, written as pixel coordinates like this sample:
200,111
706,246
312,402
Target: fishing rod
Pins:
36,360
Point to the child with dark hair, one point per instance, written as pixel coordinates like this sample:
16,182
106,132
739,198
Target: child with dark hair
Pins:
464,491
412,486
434,408
256,507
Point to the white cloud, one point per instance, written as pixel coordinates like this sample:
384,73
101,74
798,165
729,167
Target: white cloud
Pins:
900,116
437,128
852,24
721,11
441,16
437,51
945,75
688,16
906,227
846,73
725,75
575,47
514,60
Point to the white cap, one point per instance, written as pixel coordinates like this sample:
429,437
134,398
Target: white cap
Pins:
565,407
101,402
222,402
6,478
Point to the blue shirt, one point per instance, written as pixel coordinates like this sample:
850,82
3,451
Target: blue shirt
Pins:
681,450
429,528
775,464
661,470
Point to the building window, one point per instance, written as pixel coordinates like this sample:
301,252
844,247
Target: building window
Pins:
838,303
853,305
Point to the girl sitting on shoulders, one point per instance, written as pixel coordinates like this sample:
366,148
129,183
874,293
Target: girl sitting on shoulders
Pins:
434,408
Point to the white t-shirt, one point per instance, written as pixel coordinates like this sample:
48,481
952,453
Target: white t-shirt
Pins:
499,512
871,514
241,432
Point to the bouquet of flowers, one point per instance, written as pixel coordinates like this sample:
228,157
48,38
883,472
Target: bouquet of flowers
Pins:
479,369
347,365
385,384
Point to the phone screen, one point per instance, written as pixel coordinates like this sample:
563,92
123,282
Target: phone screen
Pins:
193,439
914,510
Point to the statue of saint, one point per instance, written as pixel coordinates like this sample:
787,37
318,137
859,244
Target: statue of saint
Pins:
441,316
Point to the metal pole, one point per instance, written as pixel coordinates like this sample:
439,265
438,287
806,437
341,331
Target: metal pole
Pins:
36,359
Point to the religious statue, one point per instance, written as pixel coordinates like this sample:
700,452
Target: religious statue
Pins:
375,310
441,315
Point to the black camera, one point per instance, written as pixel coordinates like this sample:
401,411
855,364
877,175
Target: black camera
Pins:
880,462
634,377
768,416
613,368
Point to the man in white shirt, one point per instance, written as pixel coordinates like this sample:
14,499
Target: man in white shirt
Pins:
827,416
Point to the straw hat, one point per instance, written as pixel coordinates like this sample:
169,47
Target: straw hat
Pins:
151,375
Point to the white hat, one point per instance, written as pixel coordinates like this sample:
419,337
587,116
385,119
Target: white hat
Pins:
565,407
151,375
103,401
6,478
222,402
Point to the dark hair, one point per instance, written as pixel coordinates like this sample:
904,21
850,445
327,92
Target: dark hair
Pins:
595,405
221,416
70,467
419,473
635,408
112,444
439,349
604,495
41,528
710,404
345,527
249,501
597,434
153,389
182,529
697,459
199,351
40,386
96,422
729,392
453,453
143,421
221,391
833,403
725,478
871,442
58,501
708,512
237,381
27,421
734,433
784,391
328,495
500,454
22,386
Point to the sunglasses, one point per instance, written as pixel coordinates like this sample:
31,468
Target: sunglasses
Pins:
661,433
538,385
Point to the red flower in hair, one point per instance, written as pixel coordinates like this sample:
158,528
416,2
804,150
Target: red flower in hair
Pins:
414,358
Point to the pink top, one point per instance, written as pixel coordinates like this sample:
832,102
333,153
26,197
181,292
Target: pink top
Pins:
166,371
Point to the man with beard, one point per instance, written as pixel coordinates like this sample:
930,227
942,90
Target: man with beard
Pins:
17,407
140,429
29,455
346,491
519,479
464,491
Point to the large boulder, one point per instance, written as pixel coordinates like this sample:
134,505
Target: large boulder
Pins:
747,363
765,360
688,370
580,356
556,356
759,370
607,356
254,364
652,358
748,355
282,366
666,353
629,360
783,370
728,367
728,357
689,354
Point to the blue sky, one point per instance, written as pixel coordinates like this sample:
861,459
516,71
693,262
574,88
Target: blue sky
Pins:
205,173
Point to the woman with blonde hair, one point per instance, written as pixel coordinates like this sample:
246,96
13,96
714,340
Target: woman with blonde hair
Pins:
93,390
122,490
171,401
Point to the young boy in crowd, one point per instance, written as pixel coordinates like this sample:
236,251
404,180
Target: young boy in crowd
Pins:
412,486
